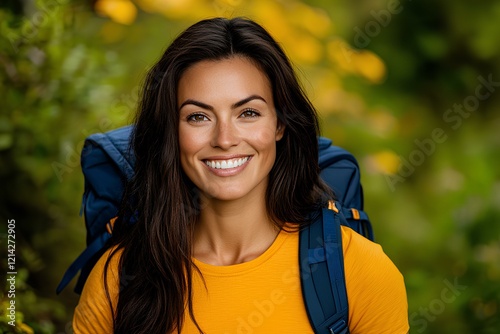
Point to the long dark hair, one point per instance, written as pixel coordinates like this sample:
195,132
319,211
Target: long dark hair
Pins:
157,248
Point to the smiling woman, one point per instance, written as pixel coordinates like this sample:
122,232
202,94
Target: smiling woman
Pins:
227,136
229,133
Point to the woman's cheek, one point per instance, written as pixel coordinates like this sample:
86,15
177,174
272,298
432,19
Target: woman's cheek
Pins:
264,137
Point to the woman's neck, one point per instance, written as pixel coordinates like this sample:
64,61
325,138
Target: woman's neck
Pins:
231,232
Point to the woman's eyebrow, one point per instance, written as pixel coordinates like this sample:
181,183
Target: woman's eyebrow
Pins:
246,100
234,106
197,103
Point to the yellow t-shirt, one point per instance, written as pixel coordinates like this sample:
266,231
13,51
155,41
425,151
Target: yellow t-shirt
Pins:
264,295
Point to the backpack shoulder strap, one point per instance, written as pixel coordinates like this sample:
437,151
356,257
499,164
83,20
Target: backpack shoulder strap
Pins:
322,273
89,254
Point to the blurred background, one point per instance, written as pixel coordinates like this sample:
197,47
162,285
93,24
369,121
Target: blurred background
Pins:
412,88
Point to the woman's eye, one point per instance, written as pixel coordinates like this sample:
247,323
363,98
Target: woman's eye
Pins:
249,113
197,118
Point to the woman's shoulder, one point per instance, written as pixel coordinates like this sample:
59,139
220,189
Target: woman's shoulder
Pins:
93,313
112,255
365,258
354,244
375,287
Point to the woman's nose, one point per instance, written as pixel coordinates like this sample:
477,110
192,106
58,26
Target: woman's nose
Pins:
225,135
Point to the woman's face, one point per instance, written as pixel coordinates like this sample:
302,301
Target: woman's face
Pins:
228,128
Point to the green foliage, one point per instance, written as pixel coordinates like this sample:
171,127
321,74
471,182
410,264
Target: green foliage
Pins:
55,90
434,200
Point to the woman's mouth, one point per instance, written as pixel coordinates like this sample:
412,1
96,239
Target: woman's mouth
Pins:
227,164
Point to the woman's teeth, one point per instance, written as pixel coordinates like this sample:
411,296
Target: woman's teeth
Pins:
226,164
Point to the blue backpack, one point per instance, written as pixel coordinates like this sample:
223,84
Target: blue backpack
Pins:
107,164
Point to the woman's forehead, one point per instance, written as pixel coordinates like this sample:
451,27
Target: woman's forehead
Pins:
233,78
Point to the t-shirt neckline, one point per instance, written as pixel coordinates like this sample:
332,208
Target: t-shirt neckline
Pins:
239,268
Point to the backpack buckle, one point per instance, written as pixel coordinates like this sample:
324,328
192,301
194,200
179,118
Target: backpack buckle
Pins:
340,327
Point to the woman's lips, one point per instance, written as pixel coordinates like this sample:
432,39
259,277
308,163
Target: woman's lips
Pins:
227,166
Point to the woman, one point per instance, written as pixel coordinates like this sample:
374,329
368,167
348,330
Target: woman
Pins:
226,174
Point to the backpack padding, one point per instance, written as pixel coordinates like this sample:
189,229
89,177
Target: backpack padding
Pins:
322,274
106,163
340,170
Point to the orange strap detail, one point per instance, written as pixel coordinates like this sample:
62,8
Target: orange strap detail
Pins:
331,206
355,213
110,225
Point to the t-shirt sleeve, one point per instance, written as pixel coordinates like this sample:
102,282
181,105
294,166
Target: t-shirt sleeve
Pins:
375,288
93,313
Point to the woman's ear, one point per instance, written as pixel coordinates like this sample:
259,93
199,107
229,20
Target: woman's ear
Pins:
280,131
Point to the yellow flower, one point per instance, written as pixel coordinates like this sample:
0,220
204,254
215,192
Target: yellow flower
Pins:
385,161
340,53
314,20
369,65
25,328
121,11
